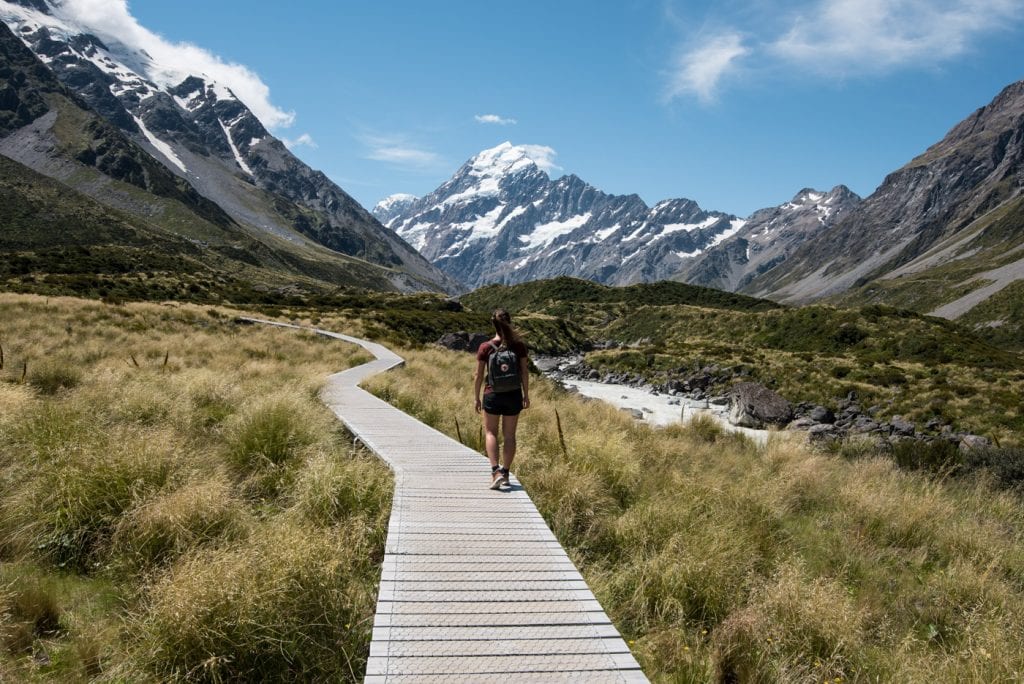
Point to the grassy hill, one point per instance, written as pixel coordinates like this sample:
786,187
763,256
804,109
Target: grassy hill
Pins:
557,295
918,367
57,241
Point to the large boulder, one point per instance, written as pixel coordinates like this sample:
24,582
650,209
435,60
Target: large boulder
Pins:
753,405
463,341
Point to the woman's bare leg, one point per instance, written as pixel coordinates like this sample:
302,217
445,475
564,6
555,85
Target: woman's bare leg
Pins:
491,437
508,431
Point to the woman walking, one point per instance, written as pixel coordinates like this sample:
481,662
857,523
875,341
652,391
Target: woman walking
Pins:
506,392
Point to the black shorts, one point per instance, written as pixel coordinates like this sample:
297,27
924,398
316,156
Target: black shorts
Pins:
503,403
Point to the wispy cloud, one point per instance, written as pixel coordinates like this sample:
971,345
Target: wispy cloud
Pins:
397,150
845,38
699,71
494,119
855,37
304,140
112,21
543,156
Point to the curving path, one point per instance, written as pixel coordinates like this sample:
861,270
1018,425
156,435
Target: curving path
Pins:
475,587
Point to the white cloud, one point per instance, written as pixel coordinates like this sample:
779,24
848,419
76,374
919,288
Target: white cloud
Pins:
853,37
543,156
700,70
845,38
112,21
494,119
304,140
397,150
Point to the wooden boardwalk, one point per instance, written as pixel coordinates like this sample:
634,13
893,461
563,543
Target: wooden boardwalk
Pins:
475,587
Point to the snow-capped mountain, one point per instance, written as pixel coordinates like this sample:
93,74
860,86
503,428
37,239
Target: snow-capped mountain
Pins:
203,133
768,238
502,219
393,205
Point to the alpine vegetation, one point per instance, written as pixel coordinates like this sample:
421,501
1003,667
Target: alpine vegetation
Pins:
176,504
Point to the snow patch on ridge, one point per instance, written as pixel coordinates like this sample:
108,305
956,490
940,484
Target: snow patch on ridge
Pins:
735,226
670,228
164,149
546,233
482,228
234,148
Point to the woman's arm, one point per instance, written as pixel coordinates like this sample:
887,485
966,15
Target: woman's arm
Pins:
524,372
477,382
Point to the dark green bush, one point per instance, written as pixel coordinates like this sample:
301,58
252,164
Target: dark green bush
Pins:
936,456
1006,464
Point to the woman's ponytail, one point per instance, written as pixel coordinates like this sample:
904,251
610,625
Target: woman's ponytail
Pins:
502,322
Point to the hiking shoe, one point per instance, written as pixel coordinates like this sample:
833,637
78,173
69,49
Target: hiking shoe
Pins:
503,472
497,480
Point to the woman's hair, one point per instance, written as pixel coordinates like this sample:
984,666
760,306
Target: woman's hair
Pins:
503,326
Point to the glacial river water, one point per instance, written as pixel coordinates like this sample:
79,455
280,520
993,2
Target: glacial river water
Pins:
656,408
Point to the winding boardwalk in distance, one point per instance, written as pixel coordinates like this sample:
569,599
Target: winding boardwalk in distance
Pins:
475,587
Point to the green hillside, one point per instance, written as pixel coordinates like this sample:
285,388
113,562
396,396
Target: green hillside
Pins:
558,294
919,367
55,240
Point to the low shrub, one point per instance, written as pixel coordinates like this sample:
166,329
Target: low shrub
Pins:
938,456
290,604
50,376
169,524
269,433
67,510
1005,464
334,488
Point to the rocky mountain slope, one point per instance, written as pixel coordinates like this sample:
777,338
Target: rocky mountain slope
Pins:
502,219
946,224
768,238
196,137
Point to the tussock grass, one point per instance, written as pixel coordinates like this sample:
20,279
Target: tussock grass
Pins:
291,603
721,561
173,483
171,523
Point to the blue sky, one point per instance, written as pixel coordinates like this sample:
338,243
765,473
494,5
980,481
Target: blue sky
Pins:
737,105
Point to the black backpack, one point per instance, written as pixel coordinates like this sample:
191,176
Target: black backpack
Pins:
503,369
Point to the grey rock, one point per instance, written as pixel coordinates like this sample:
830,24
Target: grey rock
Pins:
463,341
902,428
753,405
864,425
822,432
969,442
802,424
457,341
820,414
635,413
719,401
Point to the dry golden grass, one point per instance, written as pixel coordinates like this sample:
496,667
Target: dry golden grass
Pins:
721,561
172,486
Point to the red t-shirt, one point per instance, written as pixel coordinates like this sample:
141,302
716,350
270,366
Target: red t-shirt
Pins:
485,351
